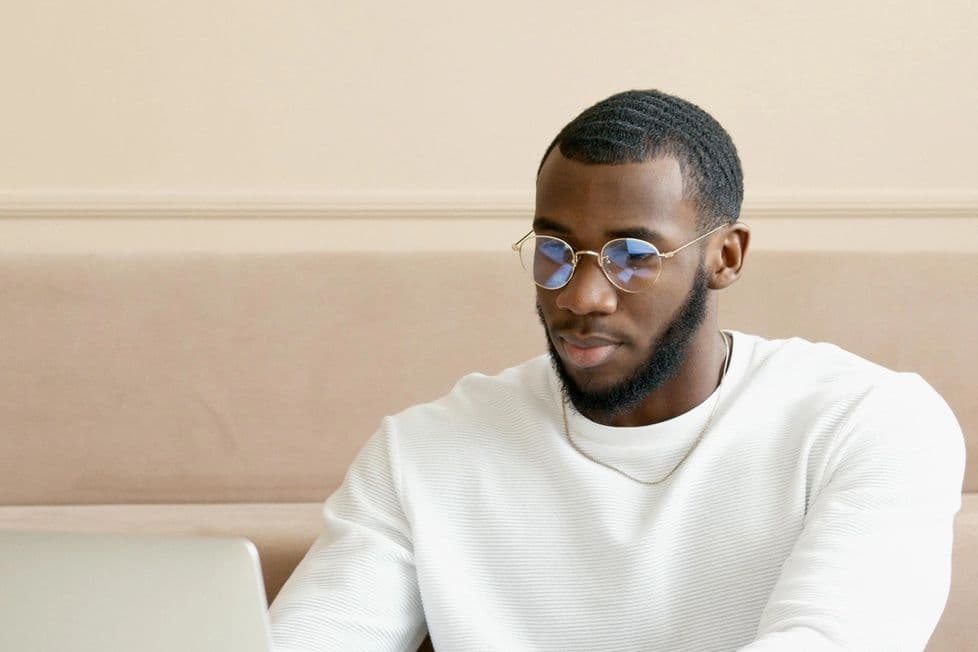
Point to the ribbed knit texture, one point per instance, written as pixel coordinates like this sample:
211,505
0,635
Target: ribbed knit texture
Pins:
816,513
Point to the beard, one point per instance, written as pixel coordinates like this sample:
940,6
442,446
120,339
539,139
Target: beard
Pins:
669,352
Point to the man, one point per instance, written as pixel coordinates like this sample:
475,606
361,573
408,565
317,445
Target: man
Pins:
656,484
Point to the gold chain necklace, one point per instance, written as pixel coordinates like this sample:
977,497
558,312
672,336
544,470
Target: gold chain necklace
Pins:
699,438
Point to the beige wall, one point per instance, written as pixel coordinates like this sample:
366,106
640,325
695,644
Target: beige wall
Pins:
382,109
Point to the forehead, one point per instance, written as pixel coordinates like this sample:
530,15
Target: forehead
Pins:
591,199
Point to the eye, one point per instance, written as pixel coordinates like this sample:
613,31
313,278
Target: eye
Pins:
636,257
552,249
631,252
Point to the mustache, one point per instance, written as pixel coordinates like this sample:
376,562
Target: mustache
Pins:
583,325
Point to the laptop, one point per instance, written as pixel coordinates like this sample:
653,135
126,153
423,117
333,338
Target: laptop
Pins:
132,593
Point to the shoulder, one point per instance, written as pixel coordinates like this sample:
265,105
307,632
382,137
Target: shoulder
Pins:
477,399
850,400
822,366
797,374
820,387
810,362
904,405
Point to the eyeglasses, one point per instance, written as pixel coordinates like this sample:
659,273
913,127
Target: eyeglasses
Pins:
630,264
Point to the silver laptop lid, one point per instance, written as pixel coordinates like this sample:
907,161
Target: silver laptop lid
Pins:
107,592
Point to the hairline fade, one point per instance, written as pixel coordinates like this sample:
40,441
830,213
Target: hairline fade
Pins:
639,125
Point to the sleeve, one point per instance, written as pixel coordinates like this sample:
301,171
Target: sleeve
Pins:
356,588
871,569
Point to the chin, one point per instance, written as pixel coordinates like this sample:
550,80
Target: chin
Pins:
596,386
597,378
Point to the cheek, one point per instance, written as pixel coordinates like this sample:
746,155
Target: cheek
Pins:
645,316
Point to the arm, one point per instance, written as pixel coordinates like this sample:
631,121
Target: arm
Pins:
356,588
871,568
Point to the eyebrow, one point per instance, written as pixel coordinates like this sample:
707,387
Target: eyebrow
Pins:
543,223
547,224
638,232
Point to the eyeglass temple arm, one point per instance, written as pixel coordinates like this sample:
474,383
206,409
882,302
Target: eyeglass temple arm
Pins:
516,245
670,254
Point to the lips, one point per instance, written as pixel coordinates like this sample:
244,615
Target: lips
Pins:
587,352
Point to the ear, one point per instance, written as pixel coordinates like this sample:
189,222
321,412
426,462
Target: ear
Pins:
725,257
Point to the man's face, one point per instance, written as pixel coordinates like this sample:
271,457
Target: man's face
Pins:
612,348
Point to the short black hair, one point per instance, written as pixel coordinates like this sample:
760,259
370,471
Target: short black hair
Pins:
638,125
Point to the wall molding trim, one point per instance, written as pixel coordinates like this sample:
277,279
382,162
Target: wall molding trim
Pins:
386,205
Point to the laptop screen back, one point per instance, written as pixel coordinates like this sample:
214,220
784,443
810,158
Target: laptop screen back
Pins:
104,592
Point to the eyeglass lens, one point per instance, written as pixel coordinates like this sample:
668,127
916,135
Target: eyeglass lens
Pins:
630,264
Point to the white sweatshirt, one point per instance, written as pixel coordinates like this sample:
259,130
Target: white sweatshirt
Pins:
815,514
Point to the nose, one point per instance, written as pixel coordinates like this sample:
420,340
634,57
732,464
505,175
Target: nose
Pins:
589,291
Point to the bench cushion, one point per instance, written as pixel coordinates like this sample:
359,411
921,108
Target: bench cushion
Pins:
171,378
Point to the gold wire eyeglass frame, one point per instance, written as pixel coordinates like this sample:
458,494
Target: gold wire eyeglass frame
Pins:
602,259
